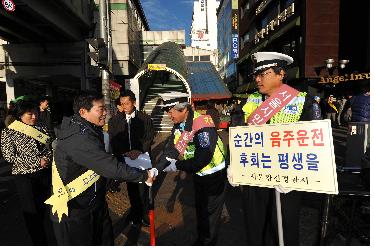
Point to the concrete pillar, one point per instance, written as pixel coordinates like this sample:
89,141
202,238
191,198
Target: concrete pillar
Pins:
9,88
134,87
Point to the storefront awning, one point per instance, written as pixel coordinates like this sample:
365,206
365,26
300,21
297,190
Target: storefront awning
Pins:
205,82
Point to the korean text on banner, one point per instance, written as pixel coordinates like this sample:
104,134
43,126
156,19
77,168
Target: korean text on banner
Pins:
299,156
156,67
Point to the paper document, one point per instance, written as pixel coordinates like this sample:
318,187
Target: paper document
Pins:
142,162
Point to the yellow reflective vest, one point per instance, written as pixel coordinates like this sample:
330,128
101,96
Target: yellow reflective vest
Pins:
218,160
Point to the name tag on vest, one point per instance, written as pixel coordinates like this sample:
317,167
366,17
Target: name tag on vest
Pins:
200,122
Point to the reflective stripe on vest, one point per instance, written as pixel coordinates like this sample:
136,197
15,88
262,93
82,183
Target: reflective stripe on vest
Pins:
218,160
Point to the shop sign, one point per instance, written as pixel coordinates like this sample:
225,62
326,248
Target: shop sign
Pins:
199,35
114,89
234,4
234,20
262,6
202,5
282,17
342,78
156,67
235,46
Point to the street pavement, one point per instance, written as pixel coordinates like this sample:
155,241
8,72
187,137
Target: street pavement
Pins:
175,219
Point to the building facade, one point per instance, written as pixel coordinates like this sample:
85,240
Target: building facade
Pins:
310,31
127,24
152,39
228,41
204,24
197,54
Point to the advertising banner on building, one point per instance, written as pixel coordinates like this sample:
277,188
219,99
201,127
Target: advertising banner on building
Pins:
299,156
114,89
235,30
156,67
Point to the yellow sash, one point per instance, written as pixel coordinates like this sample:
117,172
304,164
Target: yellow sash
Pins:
62,194
333,106
29,131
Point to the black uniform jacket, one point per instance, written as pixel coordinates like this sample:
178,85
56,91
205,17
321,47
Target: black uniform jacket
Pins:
141,133
311,110
204,148
80,147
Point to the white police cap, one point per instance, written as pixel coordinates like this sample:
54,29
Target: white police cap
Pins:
265,60
173,98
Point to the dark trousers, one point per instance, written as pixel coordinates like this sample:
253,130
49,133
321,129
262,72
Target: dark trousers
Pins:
92,228
138,195
209,200
33,190
261,219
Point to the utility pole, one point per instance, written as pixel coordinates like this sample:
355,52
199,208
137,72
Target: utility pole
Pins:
104,71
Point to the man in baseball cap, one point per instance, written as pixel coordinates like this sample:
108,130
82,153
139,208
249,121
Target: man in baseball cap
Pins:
195,147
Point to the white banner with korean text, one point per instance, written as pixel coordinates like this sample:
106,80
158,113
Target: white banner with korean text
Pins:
299,156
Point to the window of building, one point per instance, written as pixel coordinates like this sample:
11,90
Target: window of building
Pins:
196,58
248,36
245,7
189,58
288,44
205,58
245,37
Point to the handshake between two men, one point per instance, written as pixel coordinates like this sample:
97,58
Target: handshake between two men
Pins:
153,172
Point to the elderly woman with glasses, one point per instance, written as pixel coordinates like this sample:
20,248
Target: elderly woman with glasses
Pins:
25,144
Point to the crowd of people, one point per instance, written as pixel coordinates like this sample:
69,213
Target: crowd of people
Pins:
344,109
66,171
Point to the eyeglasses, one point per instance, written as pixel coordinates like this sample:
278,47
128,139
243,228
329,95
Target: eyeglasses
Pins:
261,75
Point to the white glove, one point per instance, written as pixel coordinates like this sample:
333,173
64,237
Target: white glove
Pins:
153,173
229,177
172,167
281,189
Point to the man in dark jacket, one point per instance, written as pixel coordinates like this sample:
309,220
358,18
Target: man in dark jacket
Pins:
203,157
360,106
131,134
80,148
44,112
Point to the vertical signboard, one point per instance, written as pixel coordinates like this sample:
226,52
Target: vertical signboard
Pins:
235,30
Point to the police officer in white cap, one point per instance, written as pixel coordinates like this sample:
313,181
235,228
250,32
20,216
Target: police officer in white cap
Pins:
259,203
195,147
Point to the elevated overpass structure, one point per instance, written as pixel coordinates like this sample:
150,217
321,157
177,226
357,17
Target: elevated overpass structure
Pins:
43,48
46,21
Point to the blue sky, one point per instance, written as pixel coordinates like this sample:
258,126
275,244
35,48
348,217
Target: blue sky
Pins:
169,15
